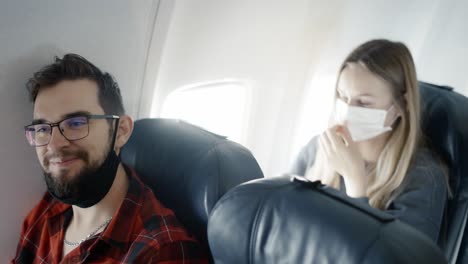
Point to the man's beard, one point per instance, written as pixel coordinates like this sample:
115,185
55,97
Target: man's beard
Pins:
69,186
90,185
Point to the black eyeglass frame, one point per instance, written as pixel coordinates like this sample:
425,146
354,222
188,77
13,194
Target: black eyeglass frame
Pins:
57,124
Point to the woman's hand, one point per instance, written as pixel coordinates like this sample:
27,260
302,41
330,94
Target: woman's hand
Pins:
343,155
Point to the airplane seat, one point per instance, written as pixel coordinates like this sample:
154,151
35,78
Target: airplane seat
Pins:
187,167
276,220
444,123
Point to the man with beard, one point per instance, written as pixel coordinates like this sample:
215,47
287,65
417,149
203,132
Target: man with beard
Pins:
96,209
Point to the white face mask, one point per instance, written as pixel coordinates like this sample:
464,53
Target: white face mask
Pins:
362,123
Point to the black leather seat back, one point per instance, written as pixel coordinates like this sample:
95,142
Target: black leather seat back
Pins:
277,221
445,124
187,167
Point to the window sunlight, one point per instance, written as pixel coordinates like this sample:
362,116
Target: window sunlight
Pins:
221,107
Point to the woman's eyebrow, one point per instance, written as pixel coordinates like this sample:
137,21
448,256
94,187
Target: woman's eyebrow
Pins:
363,94
366,94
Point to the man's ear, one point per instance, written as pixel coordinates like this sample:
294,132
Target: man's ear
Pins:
124,132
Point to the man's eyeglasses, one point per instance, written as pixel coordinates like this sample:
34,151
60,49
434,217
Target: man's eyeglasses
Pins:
72,128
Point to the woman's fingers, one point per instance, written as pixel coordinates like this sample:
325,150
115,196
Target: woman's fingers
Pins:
330,135
344,133
324,144
338,140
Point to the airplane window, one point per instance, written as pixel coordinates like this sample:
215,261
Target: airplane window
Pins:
220,107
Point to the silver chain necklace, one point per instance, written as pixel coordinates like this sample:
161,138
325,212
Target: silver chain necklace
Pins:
73,244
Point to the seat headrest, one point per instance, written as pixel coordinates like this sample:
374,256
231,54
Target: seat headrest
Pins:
444,119
444,123
187,167
275,220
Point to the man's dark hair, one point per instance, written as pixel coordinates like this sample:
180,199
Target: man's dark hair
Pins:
75,67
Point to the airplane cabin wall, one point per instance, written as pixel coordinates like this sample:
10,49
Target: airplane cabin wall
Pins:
114,34
262,42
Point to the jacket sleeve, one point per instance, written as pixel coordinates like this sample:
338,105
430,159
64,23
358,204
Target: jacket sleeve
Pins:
305,158
421,200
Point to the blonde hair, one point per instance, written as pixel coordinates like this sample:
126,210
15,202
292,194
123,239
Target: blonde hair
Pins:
391,61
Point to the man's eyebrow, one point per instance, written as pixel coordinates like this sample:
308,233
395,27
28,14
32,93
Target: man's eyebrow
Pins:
66,116
75,114
39,121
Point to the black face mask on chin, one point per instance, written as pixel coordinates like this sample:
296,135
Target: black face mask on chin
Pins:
93,185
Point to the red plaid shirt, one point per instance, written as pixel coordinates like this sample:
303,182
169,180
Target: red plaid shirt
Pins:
143,231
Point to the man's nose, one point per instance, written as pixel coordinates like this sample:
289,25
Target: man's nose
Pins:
57,140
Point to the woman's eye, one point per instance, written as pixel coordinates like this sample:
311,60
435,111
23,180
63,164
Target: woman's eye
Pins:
341,97
364,104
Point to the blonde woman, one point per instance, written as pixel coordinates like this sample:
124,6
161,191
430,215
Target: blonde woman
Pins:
373,148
